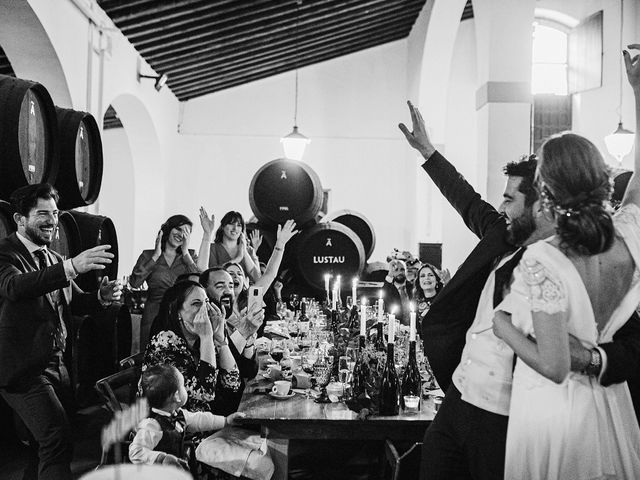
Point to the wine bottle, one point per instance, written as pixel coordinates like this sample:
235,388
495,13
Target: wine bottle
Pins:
380,344
389,396
411,381
360,373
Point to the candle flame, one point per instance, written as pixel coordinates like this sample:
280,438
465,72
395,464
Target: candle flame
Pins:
393,310
363,301
411,307
380,294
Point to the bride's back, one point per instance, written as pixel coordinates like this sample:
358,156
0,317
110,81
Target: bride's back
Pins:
607,277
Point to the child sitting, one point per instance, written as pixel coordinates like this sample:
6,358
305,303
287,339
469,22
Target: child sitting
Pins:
160,438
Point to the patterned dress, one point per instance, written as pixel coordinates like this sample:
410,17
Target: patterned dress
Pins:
201,379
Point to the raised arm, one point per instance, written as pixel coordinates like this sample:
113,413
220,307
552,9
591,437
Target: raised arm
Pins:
285,232
477,214
632,194
205,245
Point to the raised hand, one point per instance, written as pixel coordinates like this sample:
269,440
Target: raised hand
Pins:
92,259
445,276
186,237
251,320
256,239
633,66
158,247
110,291
418,138
207,224
285,232
217,318
202,324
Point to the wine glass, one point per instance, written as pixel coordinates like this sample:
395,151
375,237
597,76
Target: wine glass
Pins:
294,299
322,374
343,371
277,350
352,355
349,302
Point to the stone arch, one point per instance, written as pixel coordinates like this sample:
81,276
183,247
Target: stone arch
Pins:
30,51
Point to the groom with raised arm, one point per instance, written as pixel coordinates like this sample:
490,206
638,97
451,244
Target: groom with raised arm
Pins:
468,435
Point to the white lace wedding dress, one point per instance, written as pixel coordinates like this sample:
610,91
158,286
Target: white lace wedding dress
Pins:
577,429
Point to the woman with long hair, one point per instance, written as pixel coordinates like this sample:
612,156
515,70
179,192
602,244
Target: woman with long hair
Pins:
427,285
192,338
584,282
229,244
161,267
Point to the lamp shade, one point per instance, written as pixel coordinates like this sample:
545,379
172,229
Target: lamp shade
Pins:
620,142
294,144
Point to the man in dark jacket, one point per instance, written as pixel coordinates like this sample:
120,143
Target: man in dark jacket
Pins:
468,436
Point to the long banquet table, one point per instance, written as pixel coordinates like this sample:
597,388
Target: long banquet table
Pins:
301,418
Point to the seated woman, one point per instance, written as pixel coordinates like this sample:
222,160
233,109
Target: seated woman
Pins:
427,285
192,338
229,244
162,266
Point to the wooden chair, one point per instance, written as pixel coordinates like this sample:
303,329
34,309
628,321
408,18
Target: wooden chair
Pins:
402,466
134,360
119,389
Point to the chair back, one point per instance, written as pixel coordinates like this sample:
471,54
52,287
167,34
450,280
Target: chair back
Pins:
119,389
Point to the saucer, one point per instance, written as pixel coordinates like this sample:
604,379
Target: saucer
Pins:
282,397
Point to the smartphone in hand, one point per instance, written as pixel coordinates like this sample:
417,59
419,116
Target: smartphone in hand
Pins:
255,297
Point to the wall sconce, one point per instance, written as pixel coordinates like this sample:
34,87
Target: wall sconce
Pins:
160,80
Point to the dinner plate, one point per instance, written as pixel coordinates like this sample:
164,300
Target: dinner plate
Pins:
282,397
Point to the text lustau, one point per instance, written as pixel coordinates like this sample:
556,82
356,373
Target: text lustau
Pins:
328,259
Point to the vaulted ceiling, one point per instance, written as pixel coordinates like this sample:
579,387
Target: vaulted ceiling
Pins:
208,45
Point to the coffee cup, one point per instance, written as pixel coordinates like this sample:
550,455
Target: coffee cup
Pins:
281,387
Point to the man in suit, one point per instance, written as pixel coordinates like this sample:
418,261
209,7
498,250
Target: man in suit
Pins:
37,296
468,436
397,291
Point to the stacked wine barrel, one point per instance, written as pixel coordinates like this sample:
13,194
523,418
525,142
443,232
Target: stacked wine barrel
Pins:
338,244
40,143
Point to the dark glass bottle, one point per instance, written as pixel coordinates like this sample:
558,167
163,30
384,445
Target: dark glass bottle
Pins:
360,372
411,381
335,321
389,396
380,345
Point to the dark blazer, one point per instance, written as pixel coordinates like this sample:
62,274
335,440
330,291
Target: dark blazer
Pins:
27,318
454,308
392,297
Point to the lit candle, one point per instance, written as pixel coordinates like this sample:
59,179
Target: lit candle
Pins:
354,289
334,297
412,324
326,283
339,287
392,327
380,306
363,316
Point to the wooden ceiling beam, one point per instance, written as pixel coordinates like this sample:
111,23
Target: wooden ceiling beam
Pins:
187,93
267,52
286,62
273,39
204,15
172,40
129,10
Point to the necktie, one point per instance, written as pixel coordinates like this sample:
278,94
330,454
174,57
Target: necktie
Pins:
503,276
57,298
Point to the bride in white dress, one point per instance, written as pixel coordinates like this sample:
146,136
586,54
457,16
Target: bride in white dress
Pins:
584,281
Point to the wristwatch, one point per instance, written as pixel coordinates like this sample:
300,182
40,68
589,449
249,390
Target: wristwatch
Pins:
595,364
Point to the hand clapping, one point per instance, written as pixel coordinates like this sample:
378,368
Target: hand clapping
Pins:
92,259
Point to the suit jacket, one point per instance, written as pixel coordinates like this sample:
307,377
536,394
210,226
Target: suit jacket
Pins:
392,297
27,317
454,308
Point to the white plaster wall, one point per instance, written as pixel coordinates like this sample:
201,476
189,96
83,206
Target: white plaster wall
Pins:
349,107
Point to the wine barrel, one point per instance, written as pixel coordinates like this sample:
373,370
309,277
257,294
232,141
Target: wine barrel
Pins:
28,135
359,224
285,189
80,174
7,224
96,230
329,247
102,340
67,240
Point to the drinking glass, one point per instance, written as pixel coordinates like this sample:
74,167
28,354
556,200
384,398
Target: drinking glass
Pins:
349,302
343,371
322,374
294,299
277,350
